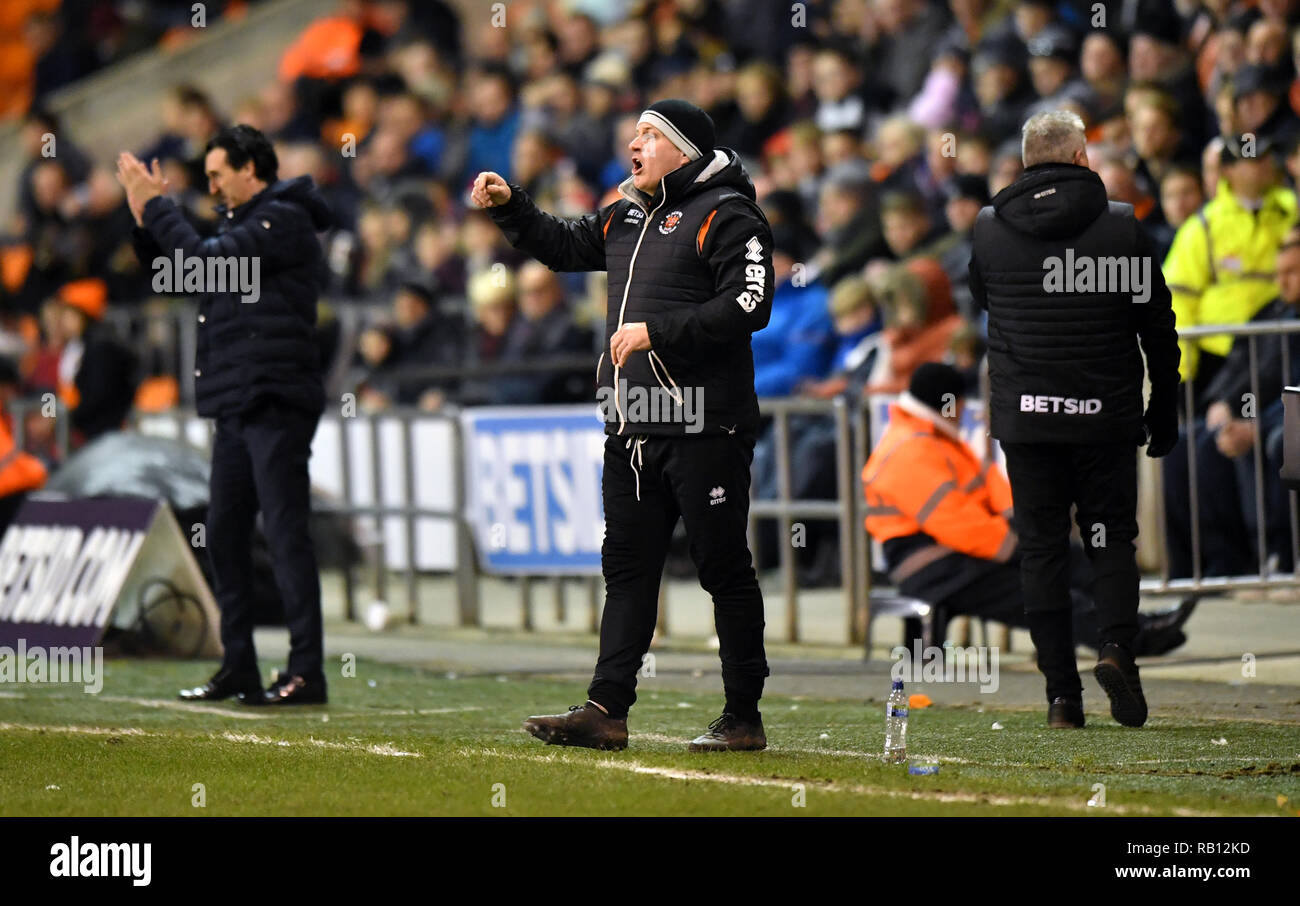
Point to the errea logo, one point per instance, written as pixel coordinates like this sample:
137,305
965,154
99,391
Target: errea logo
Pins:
717,495
755,276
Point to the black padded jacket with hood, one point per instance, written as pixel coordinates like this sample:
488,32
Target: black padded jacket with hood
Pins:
694,262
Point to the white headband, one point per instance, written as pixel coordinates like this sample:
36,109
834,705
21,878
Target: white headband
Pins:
665,125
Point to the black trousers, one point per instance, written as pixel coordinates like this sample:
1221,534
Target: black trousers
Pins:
965,586
649,483
259,461
1101,481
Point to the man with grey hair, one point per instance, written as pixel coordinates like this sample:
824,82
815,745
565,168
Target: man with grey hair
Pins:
1071,290
1055,136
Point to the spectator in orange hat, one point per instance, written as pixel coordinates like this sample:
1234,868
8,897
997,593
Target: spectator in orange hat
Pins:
920,320
97,373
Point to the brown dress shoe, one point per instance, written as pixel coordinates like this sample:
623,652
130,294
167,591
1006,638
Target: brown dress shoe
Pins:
584,725
731,734
1065,714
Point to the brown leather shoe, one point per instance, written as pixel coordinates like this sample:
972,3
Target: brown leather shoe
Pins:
1065,714
731,734
584,725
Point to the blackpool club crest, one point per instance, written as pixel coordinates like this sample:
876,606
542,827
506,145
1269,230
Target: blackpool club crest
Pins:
670,222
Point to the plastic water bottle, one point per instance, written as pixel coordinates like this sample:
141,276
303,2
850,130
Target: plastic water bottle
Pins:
896,725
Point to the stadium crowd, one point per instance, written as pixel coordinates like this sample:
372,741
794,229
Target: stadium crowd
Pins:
874,131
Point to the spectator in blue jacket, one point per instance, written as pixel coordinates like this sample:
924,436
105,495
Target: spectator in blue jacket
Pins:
495,123
799,340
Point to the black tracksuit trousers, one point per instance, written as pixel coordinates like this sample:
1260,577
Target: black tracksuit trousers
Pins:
1101,480
259,462
649,483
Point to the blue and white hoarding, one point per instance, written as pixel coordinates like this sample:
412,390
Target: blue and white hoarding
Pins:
533,488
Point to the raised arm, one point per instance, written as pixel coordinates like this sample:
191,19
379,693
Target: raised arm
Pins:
559,243
280,234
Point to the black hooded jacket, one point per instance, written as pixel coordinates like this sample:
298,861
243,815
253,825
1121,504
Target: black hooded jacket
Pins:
250,351
694,262
1064,360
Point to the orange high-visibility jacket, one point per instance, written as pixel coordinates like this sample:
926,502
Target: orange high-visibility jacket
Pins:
921,477
19,471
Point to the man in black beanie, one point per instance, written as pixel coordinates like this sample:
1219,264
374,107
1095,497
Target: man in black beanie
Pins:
689,257
1071,287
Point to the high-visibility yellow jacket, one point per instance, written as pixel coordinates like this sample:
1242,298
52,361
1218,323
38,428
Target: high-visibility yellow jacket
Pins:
922,478
1222,267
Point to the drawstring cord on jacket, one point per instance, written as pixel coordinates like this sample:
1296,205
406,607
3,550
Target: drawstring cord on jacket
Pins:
636,461
673,391
654,357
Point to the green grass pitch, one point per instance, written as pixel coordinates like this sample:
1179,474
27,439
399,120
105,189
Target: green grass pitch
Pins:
398,740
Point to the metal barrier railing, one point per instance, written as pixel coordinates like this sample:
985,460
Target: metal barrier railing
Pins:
845,510
165,330
349,506
853,441
1198,582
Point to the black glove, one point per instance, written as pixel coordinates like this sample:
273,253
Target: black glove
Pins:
1160,425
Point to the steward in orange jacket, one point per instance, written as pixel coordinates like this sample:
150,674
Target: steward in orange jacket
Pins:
20,472
929,495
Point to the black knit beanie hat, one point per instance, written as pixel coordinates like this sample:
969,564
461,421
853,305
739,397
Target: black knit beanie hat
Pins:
682,123
934,381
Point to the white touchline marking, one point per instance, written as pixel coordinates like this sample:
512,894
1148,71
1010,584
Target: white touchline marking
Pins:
953,759
12,695
187,706
373,749
246,712
841,753
387,749
89,731
618,763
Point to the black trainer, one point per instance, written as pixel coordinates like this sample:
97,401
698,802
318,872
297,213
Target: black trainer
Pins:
1065,714
1118,675
584,725
731,734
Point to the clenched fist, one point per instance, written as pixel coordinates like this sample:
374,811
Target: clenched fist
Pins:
628,339
490,190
